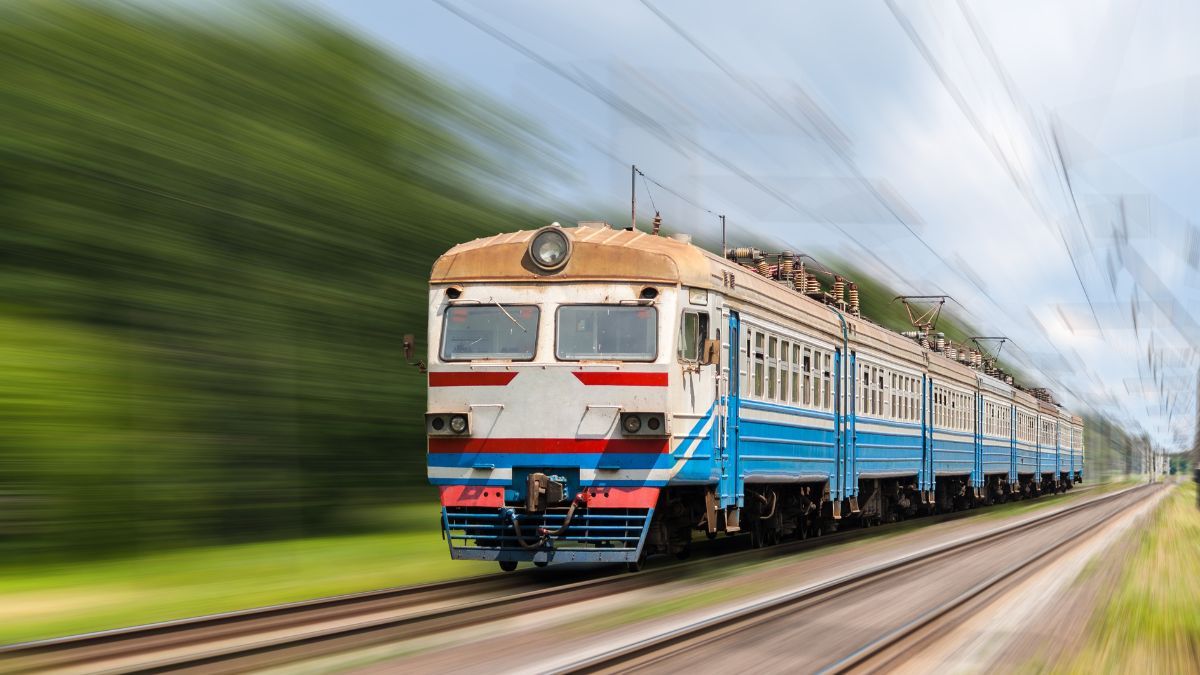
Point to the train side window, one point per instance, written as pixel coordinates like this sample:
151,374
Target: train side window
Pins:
807,374
827,382
866,387
785,352
772,365
693,331
906,393
882,409
759,364
894,410
796,361
689,339
914,400
744,369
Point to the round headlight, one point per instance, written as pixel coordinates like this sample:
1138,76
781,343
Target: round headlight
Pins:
437,423
458,424
632,424
652,423
550,248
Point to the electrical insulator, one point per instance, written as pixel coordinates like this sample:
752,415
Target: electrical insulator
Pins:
657,222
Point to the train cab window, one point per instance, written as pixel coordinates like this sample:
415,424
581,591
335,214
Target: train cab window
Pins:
490,332
693,331
607,332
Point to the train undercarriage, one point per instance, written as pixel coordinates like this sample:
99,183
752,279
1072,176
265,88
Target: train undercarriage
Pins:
776,512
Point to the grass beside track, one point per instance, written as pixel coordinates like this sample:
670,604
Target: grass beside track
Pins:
50,601
1150,622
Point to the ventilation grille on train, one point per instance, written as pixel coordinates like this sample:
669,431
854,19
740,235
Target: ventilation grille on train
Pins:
610,529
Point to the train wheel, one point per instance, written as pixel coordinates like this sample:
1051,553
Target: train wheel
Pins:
757,535
508,565
684,552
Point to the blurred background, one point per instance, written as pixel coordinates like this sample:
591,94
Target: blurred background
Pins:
217,221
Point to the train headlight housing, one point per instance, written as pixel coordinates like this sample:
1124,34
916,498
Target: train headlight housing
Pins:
644,424
447,424
550,248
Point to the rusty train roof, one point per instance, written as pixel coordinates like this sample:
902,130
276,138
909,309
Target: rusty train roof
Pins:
601,253
604,253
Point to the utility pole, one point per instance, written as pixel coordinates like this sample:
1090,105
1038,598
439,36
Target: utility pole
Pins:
724,249
633,196
1196,444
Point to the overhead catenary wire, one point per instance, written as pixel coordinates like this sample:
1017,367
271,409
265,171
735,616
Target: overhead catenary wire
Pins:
648,123
821,122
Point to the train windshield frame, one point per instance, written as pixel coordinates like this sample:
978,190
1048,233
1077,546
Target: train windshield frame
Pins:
494,331
606,332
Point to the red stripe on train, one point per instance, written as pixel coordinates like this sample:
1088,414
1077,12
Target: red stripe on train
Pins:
622,497
465,379
617,379
472,495
548,446
602,497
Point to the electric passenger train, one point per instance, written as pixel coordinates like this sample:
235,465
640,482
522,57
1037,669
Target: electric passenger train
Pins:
599,394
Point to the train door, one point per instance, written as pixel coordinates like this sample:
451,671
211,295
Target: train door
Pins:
850,477
1012,444
1057,449
977,474
927,432
730,484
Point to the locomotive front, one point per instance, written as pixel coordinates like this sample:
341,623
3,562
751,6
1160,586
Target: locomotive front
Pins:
551,356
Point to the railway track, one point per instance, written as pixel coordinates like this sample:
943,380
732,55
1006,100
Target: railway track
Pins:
878,653
273,635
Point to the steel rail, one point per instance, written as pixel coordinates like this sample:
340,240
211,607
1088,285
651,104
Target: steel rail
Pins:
79,650
875,654
57,652
663,645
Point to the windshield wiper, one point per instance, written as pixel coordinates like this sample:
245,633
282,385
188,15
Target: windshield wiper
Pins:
510,316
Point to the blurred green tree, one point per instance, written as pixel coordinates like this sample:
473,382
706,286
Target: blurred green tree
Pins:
213,232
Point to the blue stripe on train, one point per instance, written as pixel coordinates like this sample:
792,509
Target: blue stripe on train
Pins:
773,449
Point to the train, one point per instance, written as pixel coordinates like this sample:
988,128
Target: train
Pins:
601,394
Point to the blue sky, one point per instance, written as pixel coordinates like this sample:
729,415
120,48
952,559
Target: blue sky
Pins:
919,139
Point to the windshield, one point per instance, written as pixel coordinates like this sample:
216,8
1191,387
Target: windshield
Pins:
490,332
610,332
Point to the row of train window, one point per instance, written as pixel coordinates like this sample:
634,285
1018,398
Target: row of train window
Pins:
789,372
997,419
885,393
1026,427
953,409
1049,429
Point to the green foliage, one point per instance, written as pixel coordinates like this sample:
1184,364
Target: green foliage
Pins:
215,231
1147,622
